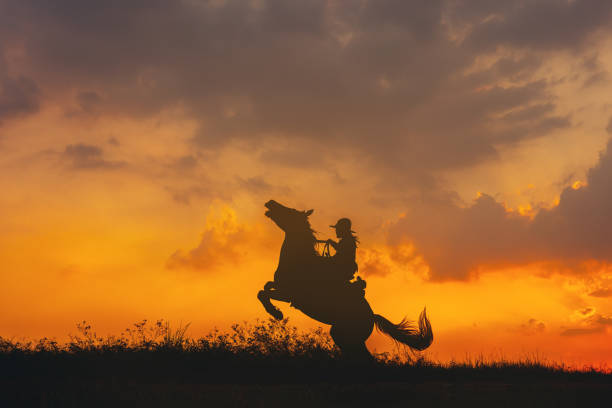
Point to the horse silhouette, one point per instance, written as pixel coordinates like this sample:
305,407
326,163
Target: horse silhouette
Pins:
304,279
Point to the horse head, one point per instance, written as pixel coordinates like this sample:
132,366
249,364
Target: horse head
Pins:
298,250
288,219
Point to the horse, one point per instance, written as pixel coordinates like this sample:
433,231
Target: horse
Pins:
304,279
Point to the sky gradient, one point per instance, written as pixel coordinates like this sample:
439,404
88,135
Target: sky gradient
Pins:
468,141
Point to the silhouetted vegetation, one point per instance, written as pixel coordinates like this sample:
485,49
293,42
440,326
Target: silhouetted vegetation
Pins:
268,361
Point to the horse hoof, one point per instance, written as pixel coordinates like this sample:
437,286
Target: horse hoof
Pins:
261,295
276,313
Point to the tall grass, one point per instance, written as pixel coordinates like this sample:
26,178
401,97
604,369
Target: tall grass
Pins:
267,337
261,351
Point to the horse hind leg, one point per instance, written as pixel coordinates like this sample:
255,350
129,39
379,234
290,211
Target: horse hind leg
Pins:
351,346
264,298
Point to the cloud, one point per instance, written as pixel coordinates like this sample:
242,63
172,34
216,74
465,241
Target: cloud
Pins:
381,261
18,96
373,262
588,321
367,80
113,141
597,79
456,241
603,293
186,163
88,104
225,241
541,24
210,188
532,326
257,185
203,190
88,157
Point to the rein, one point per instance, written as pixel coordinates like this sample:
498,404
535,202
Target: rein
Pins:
325,253
326,250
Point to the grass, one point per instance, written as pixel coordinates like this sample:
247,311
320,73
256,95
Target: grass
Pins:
267,362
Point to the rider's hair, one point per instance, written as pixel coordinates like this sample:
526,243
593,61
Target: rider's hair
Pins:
349,234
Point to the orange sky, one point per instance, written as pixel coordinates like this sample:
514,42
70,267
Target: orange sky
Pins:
467,143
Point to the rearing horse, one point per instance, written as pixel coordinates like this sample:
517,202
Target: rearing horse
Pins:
305,279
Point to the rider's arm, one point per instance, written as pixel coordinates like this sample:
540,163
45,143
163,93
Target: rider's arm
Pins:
333,243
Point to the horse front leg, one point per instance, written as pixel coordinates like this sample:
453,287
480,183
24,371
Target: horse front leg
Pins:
264,297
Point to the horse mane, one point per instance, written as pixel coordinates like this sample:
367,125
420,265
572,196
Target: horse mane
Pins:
310,235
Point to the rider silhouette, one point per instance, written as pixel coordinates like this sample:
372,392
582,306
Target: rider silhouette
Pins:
346,249
343,261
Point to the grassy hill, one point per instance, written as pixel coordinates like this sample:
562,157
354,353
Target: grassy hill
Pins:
268,364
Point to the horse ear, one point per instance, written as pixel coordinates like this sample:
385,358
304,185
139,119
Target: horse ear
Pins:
308,212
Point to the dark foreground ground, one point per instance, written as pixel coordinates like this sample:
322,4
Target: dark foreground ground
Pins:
377,394
269,365
115,392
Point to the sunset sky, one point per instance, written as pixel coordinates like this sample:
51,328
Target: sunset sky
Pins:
467,140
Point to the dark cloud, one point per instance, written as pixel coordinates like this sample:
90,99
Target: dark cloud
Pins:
532,326
538,24
185,195
87,104
589,322
385,81
185,163
199,188
457,240
258,185
597,79
307,156
255,184
529,113
603,293
18,96
591,63
88,101
581,331
88,157
209,189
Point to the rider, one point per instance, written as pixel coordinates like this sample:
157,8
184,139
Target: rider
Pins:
343,261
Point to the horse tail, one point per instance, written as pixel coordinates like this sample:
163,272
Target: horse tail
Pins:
406,333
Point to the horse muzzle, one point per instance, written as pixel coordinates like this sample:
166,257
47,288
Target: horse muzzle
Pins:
269,205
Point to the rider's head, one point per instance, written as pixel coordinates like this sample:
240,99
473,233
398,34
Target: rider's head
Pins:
343,228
